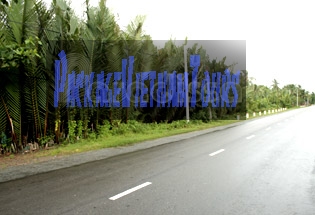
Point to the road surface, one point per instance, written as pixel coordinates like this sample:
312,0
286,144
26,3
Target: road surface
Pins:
263,166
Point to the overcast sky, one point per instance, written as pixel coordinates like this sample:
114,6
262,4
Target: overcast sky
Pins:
280,35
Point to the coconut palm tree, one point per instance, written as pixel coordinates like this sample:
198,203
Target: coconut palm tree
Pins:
275,89
22,91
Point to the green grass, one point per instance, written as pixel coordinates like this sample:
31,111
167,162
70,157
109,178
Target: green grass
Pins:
135,132
130,137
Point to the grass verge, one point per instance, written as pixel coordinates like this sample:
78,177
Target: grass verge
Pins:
129,137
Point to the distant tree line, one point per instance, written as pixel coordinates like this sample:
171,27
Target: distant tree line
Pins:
260,97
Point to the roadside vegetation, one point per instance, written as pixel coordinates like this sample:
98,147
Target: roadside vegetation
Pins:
31,37
121,135
129,134
260,98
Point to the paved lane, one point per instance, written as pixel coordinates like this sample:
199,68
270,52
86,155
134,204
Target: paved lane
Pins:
264,166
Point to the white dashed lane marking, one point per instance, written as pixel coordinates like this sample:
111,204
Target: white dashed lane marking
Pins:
250,137
129,191
216,152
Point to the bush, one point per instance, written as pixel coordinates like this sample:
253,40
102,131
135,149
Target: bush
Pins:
43,140
104,130
79,128
92,135
72,124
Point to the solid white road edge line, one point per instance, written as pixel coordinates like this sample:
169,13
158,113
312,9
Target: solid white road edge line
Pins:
217,152
250,137
130,191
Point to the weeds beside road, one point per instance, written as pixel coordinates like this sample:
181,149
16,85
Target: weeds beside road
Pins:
121,135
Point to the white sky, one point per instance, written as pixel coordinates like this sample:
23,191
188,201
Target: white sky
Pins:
280,35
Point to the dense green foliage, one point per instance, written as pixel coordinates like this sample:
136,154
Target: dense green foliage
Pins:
32,35
263,98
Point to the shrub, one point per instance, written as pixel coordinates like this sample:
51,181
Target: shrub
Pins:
79,128
104,130
71,129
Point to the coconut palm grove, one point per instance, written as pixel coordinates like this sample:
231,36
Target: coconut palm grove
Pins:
33,34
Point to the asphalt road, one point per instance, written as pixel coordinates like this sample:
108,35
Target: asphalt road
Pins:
263,166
